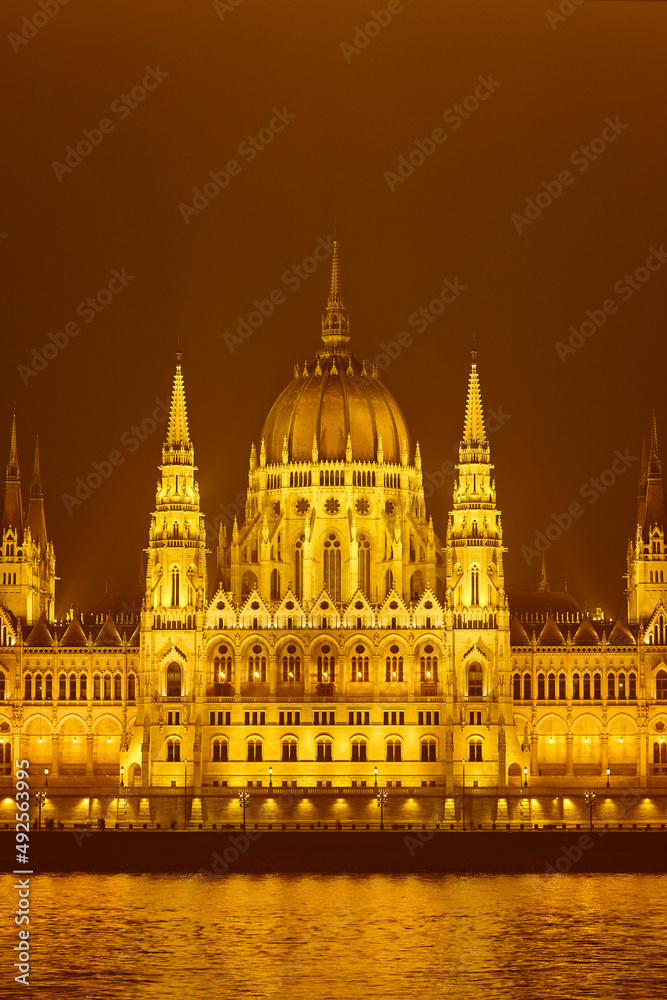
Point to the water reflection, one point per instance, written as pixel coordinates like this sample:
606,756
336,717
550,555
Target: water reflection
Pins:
304,936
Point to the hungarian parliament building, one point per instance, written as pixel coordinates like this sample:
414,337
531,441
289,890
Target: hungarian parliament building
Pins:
341,636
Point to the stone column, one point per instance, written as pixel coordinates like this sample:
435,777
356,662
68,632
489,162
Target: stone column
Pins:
604,746
273,673
89,753
534,768
569,746
55,755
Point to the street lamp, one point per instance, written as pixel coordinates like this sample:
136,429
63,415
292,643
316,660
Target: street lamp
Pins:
122,776
376,778
41,797
270,777
525,777
46,777
590,802
463,761
185,796
244,799
382,801
608,773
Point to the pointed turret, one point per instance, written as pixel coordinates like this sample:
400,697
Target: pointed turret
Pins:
36,518
655,497
544,580
177,449
335,322
12,515
474,433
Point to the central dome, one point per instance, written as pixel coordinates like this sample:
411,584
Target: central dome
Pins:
335,398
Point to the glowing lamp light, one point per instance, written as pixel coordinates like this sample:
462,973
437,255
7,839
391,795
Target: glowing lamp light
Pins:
359,674
621,739
256,674
586,740
40,739
109,740
74,740
428,674
394,674
551,740
291,675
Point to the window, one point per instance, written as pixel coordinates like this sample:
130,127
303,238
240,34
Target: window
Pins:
359,750
275,585
661,685
587,687
516,687
117,688
364,563
96,687
27,688
394,666
62,688
83,688
396,718
475,750
576,687
254,750
551,687
632,687
326,667
173,718
173,680
360,665
174,587
597,687
621,686
540,687
173,750
475,680
660,752
611,686
131,688
428,666
257,665
107,687
220,752
48,688
38,687
256,718
393,750
562,693
474,585
324,750
428,750
222,666
526,687
72,687
291,666
289,750
332,567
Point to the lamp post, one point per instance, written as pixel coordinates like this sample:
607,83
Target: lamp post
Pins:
122,777
41,797
463,762
525,777
608,773
376,778
46,777
270,777
185,796
382,801
244,799
590,802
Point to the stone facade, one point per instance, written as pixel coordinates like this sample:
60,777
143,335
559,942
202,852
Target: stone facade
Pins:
341,639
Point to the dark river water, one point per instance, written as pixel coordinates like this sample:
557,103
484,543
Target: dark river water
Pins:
341,936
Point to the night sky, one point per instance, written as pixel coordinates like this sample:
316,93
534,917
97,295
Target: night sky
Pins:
304,114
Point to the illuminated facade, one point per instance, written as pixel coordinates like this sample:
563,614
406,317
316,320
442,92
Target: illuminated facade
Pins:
341,634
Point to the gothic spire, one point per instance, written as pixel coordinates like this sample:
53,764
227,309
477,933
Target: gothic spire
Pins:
335,322
544,579
13,507
655,497
36,520
474,434
178,448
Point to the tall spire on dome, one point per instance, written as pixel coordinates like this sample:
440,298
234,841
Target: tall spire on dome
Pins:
178,446
13,508
335,322
474,433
